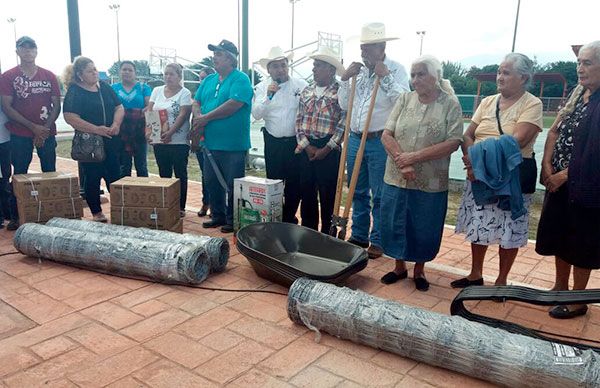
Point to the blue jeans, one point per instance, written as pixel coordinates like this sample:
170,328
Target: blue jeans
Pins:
368,189
232,165
22,154
140,159
205,194
6,208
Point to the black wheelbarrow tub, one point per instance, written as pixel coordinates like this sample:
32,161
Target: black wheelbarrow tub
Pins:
282,252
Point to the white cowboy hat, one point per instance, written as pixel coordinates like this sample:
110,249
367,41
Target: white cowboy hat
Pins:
275,54
374,33
325,54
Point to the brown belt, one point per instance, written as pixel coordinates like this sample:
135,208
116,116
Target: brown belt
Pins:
370,135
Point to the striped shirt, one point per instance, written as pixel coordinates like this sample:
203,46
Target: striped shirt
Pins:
320,115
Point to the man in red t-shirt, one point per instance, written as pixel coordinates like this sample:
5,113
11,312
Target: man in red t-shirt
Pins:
31,101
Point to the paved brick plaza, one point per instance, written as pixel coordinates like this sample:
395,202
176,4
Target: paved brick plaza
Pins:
66,327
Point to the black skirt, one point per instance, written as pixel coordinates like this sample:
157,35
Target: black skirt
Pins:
569,231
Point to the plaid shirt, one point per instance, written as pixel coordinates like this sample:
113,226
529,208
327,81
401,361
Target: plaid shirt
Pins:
319,117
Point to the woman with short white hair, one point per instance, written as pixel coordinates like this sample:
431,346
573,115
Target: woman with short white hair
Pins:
517,113
423,130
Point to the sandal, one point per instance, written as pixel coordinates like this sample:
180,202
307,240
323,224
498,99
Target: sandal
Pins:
393,277
563,312
464,282
421,284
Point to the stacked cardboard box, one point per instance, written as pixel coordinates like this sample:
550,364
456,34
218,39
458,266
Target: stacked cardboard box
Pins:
45,195
256,200
146,202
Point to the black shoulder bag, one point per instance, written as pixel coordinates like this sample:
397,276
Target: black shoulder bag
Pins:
89,147
528,168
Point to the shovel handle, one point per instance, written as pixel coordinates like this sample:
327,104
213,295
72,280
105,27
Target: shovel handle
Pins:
361,151
342,167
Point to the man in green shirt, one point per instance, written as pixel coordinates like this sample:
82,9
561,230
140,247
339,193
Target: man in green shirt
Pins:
221,110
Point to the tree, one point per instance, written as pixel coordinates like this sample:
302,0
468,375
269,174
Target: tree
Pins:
141,66
459,78
568,69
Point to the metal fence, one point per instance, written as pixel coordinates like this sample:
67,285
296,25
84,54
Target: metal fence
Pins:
470,102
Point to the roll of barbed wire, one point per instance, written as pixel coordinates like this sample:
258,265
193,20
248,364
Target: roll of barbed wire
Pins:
161,261
217,248
449,342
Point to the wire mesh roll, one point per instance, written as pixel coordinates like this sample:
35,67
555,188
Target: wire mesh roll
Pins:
217,248
449,342
161,261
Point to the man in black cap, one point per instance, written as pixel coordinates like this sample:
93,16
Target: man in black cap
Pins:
221,110
31,101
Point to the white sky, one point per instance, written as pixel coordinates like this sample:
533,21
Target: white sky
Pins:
473,32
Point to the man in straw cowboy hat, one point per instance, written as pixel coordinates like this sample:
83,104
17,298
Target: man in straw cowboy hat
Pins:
319,131
276,102
393,81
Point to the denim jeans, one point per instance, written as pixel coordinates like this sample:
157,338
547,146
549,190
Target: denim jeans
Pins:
205,194
140,159
174,158
22,154
232,165
93,173
368,189
6,209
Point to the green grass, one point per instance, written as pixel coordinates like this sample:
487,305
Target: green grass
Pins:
63,149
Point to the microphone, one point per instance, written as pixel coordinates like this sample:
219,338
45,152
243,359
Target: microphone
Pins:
271,93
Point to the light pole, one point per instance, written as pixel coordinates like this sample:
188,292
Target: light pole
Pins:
516,24
293,2
422,35
116,7
13,21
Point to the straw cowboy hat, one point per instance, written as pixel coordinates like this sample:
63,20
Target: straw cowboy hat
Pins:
325,54
275,54
374,33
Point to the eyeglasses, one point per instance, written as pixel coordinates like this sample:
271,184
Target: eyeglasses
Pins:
217,90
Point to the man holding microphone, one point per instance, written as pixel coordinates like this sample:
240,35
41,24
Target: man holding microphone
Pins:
276,102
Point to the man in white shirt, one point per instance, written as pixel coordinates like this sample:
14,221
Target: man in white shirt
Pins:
393,81
276,102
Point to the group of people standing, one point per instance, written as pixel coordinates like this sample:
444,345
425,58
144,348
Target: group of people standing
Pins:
401,197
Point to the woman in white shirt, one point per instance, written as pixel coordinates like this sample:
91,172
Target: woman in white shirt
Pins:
172,151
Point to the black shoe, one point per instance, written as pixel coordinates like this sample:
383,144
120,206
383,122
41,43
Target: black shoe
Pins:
212,224
393,277
421,284
13,225
358,243
227,229
464,282
203,212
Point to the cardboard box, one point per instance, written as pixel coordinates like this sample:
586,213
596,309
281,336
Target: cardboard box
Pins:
45,186
178,228
157,123
148,217
42,211
145,192
256,200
